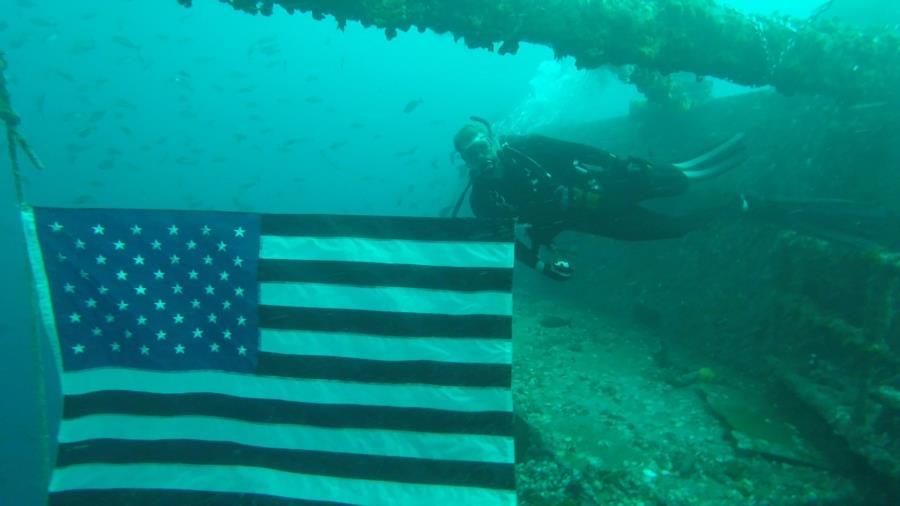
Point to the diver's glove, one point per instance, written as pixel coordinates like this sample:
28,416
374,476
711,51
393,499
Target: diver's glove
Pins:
559,270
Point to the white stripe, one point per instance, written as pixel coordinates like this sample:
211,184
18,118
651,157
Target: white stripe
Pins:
384,443
389,251
255,480
41,282
384,298
338,344
468,399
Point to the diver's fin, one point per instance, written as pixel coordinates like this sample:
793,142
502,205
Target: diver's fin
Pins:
734,160
715,161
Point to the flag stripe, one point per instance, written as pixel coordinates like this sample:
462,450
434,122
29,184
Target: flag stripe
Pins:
384,298
187,497
386,323
494,449
350,416
465,279
342,344
388,227
380,371
250,480
289,389
342,465
388,251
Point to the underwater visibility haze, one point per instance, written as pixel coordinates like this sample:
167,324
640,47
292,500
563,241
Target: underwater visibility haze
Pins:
704,304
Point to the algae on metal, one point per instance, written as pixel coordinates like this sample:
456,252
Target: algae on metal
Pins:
817,56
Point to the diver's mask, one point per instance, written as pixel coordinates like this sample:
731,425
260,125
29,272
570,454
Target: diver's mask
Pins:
481,156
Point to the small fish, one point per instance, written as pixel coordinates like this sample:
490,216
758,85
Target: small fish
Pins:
554,322
336,145
125,42
124,104
65,75
3,26
106,165
412,105
407,152
80,47
96,116
39,103
313,100
42,23
85,131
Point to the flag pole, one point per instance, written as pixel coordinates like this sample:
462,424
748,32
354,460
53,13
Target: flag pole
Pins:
15,141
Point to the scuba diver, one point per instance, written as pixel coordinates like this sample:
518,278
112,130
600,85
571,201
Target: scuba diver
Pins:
551,185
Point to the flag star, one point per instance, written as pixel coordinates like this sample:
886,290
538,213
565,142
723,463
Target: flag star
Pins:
174,259
61,257
214,348
241,320
177,288
119,245
110,318
136,230
238,292
191,244
178,318
173,230
78,349
121,275
156,245
160,304
212,318
238,261
226,334
69,288
221,245
207,260
138,260
74,318
140,290
102,289
159,274
96,331
56,226
226,304
242,350
122,305
223,276
145,350
141,320
161,335
192,274
98,229
179,350
205,230
195,304
210,290
91,302
128,334
79,244
115,346
101,260
198,333
239,232
83,274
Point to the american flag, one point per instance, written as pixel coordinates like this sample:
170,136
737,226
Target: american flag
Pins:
235,358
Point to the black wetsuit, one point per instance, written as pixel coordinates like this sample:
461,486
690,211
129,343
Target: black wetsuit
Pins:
556,185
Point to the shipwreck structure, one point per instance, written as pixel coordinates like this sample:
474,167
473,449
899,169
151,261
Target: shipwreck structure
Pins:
817,56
